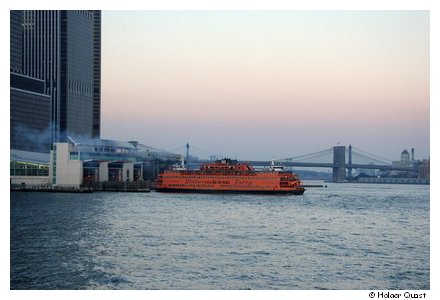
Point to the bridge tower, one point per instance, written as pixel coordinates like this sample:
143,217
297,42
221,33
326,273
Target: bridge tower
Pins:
339,162
350,161
187,153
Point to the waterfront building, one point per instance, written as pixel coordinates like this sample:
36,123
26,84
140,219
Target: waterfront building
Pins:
424,171
55,74
367,172
88,162
404,159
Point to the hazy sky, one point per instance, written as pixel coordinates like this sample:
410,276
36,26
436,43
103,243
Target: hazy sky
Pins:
262,84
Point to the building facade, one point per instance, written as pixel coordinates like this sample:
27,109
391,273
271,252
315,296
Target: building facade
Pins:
92,162
424,169
87,162
404,159
55,68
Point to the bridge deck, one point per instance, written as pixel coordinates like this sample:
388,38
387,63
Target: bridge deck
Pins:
331,165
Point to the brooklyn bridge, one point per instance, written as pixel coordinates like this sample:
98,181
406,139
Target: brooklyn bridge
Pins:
341,159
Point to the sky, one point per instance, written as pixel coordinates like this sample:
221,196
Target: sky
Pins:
262,84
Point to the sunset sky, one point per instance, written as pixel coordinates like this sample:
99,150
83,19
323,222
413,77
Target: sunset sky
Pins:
263,84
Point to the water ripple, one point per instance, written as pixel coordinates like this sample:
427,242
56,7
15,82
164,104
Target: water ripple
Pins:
343,237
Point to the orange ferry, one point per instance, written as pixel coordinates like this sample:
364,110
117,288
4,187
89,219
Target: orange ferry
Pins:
228,176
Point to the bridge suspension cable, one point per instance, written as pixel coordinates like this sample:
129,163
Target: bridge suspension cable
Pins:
192,147
355,151
179,148
371,156
367,158
202,150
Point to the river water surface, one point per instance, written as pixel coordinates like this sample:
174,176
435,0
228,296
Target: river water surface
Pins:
346,236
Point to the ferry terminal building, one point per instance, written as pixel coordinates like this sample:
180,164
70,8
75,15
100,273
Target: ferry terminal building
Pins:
88,162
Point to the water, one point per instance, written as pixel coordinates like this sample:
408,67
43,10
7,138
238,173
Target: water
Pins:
346,236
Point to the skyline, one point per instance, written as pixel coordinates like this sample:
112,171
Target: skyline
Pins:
262,84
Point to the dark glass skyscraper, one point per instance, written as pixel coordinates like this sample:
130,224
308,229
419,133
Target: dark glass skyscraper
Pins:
55,77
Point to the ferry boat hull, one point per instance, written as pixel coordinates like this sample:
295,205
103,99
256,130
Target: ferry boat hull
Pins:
298,191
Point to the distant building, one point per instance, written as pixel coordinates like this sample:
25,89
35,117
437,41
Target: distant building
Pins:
405,159
424,169
367,172
55,74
